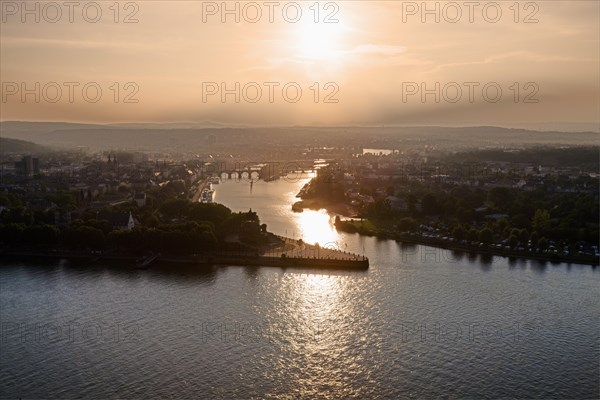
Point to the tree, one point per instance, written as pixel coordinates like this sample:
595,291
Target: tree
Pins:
81,237
523,236
486,236
464,215
534,238
15,200
513,241
430,204
407,224
459,233
472,235
16,215
213,212
543,243
41,235
64,200
515,232
541,221
103,225
174,208
152,221
500,197
502,224
11,233
380,209
520,221
411,200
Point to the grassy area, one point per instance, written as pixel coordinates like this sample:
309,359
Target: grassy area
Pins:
364,227
333,207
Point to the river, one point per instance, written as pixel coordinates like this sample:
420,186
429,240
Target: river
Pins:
420,323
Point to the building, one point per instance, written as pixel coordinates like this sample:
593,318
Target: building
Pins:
130,157
28,166
140,199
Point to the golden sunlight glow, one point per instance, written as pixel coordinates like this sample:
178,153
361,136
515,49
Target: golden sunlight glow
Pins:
318,41
317,227
318,295
369,49
324,285
321,293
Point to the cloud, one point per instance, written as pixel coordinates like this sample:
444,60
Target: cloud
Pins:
378,50
20,42
519,56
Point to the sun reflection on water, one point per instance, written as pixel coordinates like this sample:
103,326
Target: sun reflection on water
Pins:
321,294
316,323
317,227
320,303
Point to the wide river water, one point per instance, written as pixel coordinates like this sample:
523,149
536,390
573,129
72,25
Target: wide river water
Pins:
420,323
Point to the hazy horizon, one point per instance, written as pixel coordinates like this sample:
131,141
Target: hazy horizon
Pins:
581,127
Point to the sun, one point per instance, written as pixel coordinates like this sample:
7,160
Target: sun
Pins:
318,41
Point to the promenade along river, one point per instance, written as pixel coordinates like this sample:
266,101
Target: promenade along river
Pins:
419,323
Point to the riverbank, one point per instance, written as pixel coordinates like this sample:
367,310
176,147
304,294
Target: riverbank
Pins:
341,209
368,229
319,260
489,250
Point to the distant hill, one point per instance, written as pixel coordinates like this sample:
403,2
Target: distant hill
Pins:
20,146
40,127
186,137
579,155
175,125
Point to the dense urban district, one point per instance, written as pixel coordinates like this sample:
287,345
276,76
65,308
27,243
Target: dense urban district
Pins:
518,200
539,203
123,208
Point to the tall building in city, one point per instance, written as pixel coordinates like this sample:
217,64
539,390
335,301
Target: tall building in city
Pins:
28,166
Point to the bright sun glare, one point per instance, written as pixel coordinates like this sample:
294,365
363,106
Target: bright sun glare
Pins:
318,41
316,227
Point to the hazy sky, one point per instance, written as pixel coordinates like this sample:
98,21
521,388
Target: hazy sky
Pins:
375,61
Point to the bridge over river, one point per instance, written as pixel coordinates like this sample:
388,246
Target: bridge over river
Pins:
253,171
